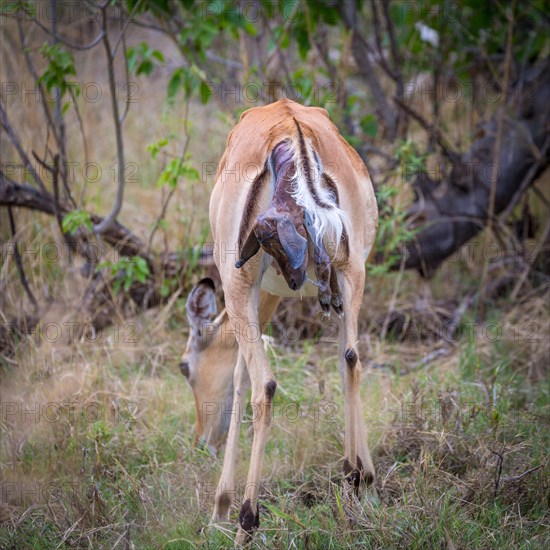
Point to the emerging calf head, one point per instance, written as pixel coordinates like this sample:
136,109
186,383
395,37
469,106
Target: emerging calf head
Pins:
208,363
280,229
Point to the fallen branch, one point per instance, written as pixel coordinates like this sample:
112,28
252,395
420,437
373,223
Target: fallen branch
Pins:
24,195
511,479
453,211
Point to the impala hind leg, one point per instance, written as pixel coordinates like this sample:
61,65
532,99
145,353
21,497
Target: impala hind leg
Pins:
226,486
358,464
263,391
225,491
242,302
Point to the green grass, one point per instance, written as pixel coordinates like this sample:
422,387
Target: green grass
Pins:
136,478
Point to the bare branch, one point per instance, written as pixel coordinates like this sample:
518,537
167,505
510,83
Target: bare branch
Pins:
540,243
361,54
84,143
60,121
4,122
378,35
63,40
123,31
434,132
19,263
30,65
111,217
396,56
24,195
127,74
173,190
496,151
528,179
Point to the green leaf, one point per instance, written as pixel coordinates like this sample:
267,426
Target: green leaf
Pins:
142,59
60,66
145,67
158,55
154,148
206,92
369,125
189,172
175,83
302,38
73,220
126,271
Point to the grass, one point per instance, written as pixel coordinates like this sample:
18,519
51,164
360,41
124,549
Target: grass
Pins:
461,450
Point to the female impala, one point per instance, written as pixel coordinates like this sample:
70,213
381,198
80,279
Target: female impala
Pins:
293,213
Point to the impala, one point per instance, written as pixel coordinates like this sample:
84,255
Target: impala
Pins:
293,213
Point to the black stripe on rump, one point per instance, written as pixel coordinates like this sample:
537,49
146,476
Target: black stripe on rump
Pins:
307,168
248,212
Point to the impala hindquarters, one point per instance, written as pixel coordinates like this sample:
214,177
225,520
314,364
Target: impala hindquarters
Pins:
293,213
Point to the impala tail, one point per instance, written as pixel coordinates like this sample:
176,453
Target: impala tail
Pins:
304,207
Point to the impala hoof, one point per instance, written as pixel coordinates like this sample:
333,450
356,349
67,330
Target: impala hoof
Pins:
248,520
354,475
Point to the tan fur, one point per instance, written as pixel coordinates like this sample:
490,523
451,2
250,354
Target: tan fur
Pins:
248,147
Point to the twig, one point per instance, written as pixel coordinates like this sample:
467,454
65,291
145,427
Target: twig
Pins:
498,472
23,39
4,122
121,38
396,56
527,180
378,34
19,263
531,261
59,120
63,40
27,196
127,74
496,154
172,191
524,474
105,224
54,171
84,143
541,197
279,41
434,132
348,11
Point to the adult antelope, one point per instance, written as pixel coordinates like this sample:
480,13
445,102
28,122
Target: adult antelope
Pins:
293,213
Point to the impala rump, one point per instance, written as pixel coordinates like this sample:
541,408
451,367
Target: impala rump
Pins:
304,207
292,221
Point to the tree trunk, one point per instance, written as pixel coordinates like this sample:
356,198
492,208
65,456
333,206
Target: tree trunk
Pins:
455,209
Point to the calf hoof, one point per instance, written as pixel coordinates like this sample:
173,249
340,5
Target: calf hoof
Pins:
325,300
336,301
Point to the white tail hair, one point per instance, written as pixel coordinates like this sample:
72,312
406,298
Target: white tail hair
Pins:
328,219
